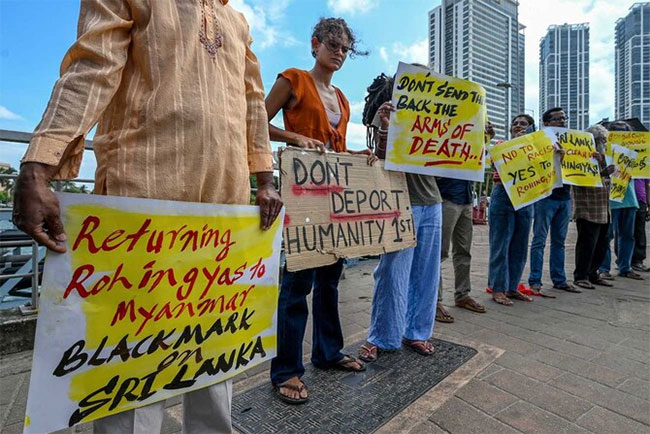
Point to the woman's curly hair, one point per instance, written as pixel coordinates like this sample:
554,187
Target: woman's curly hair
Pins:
336,27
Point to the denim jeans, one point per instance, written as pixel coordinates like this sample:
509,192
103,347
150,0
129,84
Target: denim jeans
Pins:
509,231
622,227
554,215
406,285
327,340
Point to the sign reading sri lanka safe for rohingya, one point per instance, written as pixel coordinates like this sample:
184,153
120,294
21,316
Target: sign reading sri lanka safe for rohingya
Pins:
438,126
152,299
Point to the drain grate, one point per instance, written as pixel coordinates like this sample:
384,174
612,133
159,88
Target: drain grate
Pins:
343,402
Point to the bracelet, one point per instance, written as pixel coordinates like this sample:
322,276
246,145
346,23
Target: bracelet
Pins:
382,131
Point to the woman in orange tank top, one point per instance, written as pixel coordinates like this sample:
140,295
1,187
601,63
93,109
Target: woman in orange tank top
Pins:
316,116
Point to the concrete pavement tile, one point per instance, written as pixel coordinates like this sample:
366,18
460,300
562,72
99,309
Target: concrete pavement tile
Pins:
18,405
458,417
562,346
427,427
636,387
629,353
8,386
592,371
530,419
492,369
612,399
625,365
528,367
15,363
541,395
485,397
599,419
505,342
460,326
16,428
592,341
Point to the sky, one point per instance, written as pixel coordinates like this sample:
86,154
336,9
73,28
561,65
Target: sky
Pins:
35,34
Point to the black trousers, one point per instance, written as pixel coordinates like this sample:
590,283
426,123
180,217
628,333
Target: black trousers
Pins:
639,234
590,249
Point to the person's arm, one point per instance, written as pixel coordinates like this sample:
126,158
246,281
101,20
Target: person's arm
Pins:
90,75
280,97
381,134
260,157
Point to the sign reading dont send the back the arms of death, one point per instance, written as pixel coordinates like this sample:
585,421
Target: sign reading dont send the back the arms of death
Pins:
337,206
579,166
438,126
624,159
638,141
527,167
152,299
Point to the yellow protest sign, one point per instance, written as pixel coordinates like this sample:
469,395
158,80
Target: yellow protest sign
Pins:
638,141
527,167
438,125
623,160
579,167
152,299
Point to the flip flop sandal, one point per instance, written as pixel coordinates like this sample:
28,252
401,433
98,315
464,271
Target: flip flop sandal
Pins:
602,282
424,348
288,399
346,363
584,284
518,296
500,298
368,352
568,288
631,275
470,304
442,315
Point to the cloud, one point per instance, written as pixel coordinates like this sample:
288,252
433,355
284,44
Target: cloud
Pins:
265,19
5,113
351,7
356,136
537,16
356,110
417,52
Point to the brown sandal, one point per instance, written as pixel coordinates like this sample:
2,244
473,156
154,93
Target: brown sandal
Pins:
470,304
424,348
347,364
288,399
518,296
442,315
500,298
368,352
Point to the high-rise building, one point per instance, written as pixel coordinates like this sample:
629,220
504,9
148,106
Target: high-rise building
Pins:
633,64
564,72
482,41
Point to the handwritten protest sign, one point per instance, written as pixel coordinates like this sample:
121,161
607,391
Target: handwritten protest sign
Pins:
623,159
338,206
579,167
638,141
438,126
527,167
151,300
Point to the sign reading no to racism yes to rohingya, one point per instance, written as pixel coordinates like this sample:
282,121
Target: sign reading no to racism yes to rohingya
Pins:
152,299
527,167
638,141
438,126
337,206
579,167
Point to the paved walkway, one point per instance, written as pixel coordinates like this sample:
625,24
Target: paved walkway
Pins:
575,364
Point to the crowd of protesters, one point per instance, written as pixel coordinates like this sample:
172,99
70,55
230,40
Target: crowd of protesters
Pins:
407,283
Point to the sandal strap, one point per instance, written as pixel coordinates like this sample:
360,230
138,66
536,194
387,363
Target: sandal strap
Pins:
293,386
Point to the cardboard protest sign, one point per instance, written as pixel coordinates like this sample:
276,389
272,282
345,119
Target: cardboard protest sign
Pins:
338,206
624,159
527,167
638,141
579,167
152,299
438,125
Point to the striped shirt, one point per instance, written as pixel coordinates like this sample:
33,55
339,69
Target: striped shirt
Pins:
177,97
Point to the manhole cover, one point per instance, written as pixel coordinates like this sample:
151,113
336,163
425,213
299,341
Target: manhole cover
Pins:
342,402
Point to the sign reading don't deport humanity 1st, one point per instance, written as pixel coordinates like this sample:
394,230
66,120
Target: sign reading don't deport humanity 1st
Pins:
152,299
438,126
337,206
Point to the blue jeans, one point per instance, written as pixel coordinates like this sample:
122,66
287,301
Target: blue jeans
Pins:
327,340
509,231
553,214
622,226
406,285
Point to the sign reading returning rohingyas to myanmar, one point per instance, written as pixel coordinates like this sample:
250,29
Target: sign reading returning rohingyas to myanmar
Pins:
579,167
339,207
527,167
438,126
638,141
152,299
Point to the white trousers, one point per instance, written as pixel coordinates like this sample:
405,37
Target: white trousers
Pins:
205,411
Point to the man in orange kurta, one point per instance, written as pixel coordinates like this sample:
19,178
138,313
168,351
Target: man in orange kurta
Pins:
178,100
